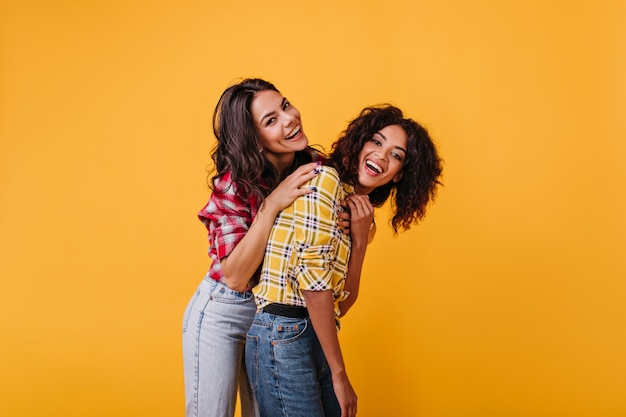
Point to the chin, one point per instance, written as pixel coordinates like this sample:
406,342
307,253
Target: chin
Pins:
302,145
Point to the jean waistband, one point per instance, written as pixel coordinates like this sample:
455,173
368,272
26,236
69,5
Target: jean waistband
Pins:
285,310
211,285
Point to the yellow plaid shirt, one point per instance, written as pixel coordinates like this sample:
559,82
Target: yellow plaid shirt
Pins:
306,249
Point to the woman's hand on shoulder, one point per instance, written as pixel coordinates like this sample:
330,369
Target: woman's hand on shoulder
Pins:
290,188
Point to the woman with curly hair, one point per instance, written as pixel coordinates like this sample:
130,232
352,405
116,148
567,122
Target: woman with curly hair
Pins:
293,355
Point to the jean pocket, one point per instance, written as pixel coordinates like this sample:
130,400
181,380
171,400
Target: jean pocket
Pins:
189,308
252,361
289,331
227,296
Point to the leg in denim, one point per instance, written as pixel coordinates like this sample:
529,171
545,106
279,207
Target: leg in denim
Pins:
214,327
287,369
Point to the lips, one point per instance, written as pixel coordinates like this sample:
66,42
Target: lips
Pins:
294,133
373,166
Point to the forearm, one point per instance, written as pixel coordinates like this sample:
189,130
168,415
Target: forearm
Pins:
320,305
246,257
353,277
321,310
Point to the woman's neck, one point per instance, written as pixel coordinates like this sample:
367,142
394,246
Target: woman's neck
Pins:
359,189
281,162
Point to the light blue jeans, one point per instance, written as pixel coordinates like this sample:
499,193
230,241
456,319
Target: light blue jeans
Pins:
214,333
288,370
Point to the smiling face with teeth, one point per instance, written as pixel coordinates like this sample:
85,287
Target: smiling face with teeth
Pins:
279,126
382,158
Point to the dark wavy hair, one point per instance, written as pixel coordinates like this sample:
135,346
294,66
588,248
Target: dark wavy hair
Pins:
421,171
238,147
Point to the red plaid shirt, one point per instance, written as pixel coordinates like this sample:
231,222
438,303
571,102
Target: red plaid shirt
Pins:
227,216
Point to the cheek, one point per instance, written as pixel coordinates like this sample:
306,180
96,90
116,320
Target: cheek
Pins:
368,147
294,112
267,137
395,168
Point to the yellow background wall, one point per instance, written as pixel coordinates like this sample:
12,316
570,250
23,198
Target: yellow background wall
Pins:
507,301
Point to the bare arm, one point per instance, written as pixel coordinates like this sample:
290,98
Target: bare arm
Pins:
321,310
246,257
316,233
361,216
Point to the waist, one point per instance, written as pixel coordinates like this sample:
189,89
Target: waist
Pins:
286,310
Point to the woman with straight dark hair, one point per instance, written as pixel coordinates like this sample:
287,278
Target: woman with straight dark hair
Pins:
261,159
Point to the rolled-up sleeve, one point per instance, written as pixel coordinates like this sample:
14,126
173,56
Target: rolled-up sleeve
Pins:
317,233
228,217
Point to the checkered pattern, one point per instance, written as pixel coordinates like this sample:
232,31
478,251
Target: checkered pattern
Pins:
227,216
306,249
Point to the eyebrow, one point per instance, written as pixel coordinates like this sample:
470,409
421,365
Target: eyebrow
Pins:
282,104
385,137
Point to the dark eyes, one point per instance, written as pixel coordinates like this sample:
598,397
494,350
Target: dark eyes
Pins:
271,120
395,155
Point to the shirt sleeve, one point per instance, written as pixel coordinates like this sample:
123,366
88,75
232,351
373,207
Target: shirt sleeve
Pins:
317,232
227,216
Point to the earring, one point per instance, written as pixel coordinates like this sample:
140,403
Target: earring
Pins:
260,150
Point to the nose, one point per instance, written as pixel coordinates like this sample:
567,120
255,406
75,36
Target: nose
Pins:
288,118
382,155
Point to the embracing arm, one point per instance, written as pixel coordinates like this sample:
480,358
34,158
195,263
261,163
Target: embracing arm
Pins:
361,216
239,266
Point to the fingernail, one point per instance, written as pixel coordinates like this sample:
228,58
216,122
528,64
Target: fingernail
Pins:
314,188
319,163
316,171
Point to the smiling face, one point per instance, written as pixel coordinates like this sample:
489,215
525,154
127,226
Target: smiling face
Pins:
382,158
279,126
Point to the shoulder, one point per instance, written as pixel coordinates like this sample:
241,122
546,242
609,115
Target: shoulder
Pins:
327,182
223,181
316,156
225,184
327,174
230,195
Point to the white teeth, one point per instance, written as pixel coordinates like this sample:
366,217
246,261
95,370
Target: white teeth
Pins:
294,133
374,166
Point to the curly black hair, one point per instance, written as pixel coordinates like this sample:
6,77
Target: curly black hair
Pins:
238,142
421,171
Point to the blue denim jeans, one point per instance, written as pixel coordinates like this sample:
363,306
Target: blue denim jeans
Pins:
214,333
288,371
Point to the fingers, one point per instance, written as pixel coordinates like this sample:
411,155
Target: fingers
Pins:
344,225
304,173
343,215
360,206
299,177
348,408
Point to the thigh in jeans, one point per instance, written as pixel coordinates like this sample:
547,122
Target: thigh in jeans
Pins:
213,337
285,372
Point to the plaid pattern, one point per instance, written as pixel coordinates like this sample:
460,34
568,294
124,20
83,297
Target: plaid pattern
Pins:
306,249
227,216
